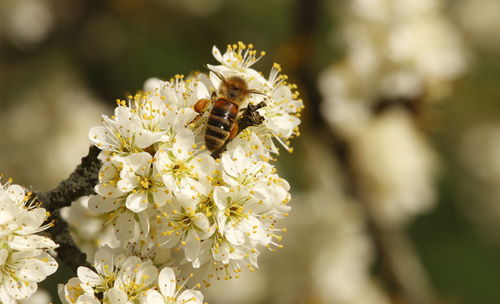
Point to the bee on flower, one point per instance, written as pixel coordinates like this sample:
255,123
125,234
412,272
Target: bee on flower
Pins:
164,182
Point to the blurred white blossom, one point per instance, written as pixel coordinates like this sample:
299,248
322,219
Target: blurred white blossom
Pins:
396,166
56,94
332,239
479,19
401,55
26,22
341,268
396,49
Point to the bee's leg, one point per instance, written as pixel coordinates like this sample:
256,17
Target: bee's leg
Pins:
252,107
234,131
200,107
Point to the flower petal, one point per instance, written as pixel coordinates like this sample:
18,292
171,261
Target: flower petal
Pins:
166,282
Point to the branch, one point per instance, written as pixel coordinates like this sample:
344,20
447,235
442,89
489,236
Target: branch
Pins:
80,183
67,253
249,118
404,274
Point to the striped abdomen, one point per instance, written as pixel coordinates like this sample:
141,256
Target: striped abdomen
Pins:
220,122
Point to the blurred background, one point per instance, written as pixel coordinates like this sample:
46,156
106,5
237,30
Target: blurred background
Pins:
394,177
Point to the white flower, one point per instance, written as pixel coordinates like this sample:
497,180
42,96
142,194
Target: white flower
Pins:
75,292
87,228
257,177
226,225
177,92
128,225
183,169
144,122
180,223
24,260
120,133
120,277
140,177
109,177
239,169
130,183
169,293
238,57
238,216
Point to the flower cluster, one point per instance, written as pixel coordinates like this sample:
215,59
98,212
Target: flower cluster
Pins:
399,52
401,56
24,257
160,187
125,279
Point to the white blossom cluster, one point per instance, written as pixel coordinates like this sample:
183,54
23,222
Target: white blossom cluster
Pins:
404,49
24,257
166,198
125,279
400,56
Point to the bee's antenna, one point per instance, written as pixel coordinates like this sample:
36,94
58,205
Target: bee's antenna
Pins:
253,91
221,77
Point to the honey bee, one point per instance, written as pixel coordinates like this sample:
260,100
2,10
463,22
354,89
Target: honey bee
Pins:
222,123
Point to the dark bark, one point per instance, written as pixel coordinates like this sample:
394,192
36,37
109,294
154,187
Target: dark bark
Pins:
80,183
67,253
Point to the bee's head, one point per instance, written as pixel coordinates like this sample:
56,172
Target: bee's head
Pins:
234,88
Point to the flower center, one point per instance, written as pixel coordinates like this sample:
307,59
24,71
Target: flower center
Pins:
146,183
179,167
235,212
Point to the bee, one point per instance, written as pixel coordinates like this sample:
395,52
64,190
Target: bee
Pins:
222,123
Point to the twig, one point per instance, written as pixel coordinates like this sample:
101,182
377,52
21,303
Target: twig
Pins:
404,273
67,253
80,183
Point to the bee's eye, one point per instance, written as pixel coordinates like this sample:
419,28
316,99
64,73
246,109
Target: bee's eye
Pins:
234,91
